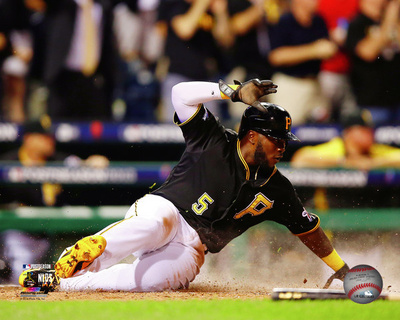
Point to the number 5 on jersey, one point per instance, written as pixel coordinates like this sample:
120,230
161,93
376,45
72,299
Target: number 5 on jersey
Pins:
202,204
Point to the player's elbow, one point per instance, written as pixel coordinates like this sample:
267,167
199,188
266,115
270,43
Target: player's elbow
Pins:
179,94
176,91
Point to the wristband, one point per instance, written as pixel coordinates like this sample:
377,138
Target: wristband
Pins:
333,260
227,90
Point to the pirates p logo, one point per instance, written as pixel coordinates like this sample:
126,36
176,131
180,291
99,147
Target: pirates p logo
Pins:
258,206
288,123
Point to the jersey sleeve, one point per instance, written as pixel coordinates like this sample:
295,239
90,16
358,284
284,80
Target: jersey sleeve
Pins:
300,224
202,130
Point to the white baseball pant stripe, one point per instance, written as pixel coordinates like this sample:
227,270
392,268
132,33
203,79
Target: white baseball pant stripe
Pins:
169,252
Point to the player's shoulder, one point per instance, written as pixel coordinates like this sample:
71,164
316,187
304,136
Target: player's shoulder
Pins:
231,135
280,179
272,176
279,187
279,175
205,130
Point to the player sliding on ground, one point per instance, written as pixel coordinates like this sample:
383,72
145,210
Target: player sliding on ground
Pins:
223,184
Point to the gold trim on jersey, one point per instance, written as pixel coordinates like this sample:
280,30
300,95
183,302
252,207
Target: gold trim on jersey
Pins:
114,224
310,231
273,172
243,161
120,221
188,120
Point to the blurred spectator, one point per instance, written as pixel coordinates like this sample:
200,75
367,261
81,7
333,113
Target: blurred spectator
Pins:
195,31
15,59
6,25
5,51
38,148
249,21
299,42
136,32
374,43
80,58
37,93
15,70
355,148
334,75
140,47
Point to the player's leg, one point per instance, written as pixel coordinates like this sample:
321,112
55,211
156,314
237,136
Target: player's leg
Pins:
148,225
173,266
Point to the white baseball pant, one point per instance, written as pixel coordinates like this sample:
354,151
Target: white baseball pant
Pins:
169,252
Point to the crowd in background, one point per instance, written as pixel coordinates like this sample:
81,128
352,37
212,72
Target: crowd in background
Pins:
117,60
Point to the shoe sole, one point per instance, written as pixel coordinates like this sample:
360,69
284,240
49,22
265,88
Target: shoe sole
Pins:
80,256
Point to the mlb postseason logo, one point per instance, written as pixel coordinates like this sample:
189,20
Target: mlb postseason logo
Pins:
40,292
37,266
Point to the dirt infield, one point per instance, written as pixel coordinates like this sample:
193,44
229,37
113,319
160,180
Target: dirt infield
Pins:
200,292
275,260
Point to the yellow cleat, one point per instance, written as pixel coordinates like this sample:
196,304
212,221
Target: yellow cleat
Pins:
80,256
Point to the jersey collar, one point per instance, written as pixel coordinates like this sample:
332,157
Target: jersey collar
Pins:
269,177
264,180
246,166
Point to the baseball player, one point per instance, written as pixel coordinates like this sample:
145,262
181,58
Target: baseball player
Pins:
223,184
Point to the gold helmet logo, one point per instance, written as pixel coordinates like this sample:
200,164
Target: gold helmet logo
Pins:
288,123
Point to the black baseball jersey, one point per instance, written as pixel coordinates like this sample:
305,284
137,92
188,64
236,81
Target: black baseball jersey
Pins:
219,195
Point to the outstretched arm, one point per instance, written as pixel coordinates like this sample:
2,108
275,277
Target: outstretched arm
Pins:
319,243
186,96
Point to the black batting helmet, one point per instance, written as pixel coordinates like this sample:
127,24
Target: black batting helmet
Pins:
274,122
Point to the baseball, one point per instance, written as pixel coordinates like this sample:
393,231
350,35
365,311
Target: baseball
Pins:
363,284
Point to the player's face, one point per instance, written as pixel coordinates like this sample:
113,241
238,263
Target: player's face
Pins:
269,151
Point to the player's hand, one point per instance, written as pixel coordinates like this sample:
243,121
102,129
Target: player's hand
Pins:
249,92
340,274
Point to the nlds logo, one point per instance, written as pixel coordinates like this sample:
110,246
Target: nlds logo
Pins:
44,278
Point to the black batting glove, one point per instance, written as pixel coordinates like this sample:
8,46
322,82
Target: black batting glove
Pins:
340,274
249,92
